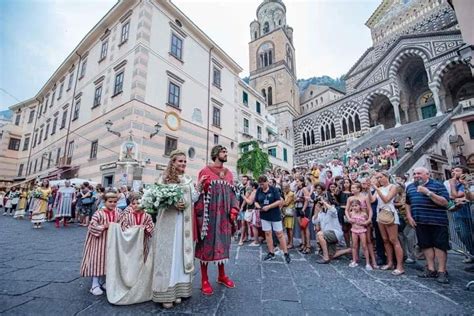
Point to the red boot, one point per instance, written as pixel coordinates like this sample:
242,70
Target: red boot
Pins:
224,279
64,221
57,222
206,287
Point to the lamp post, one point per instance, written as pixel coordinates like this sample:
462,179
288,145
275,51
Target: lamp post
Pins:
109,124
157,130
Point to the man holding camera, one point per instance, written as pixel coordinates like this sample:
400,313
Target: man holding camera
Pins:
427,201
329,230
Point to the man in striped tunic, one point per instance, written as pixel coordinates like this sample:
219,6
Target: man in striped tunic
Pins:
427,202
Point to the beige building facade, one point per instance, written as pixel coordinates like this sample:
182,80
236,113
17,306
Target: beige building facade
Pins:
143,82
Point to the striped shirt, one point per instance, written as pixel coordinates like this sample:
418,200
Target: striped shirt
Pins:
423,209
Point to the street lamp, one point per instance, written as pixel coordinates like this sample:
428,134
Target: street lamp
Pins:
157,130
109,124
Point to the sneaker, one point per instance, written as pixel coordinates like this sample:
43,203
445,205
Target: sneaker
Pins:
442,278
409,261
96,291
269,256
287,258
254,245
353,264
428,274
368,267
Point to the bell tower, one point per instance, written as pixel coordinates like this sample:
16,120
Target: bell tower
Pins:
272,64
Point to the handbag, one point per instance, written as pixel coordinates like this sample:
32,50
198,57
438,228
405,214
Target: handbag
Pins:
87,201
248,216
385,217
304,221
289,211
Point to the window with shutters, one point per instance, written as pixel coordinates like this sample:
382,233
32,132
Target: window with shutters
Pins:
170,145
216,116
14,144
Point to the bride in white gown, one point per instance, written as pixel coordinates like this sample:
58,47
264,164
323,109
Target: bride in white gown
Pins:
166,276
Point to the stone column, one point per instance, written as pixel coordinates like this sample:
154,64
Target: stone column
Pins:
437,99
396,110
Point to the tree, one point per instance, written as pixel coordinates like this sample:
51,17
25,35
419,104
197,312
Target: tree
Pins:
252,159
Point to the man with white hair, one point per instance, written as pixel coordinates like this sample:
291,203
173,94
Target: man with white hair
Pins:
427,202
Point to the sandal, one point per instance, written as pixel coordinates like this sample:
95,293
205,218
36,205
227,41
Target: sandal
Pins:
397,272
306,251
386,267
241,243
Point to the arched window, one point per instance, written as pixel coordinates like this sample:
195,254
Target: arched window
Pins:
265,53
270,96
289,57
255,35
279,22
322,134
313,141
266,27
264,94
328,133
304,139
357,122
308,139
333,131
344,126
351,124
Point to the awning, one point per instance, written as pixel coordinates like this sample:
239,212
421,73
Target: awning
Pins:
272,130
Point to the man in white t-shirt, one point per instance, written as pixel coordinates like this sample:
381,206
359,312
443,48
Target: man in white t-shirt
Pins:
330,231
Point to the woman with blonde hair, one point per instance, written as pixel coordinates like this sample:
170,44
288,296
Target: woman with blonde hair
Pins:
173,246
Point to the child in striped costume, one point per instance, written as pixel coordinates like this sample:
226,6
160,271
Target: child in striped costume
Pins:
93,261
133,215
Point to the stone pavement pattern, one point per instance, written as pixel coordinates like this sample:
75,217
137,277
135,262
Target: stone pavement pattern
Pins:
39,275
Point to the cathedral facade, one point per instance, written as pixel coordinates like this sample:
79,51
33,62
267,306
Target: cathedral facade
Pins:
413,71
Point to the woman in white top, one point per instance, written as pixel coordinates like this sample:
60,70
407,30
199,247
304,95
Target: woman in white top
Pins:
385,194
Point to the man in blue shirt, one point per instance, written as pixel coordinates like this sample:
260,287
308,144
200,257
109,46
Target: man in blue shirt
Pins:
268,201
427,202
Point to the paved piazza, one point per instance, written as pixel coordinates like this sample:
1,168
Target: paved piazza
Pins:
39,275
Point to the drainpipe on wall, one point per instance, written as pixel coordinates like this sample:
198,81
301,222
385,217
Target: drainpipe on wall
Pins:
28,171
208,104
72,106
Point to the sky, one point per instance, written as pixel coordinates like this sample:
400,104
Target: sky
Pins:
37,35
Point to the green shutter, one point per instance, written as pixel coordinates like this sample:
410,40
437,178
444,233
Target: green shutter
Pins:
285,154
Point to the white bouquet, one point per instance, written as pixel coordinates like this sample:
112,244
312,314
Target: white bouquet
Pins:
161,195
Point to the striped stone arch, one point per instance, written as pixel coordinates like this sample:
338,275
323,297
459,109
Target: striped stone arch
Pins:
326,118
398,60
349,117
364,109
306,126
442,69
347,105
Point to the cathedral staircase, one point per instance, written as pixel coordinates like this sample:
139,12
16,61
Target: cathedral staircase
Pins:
423,133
